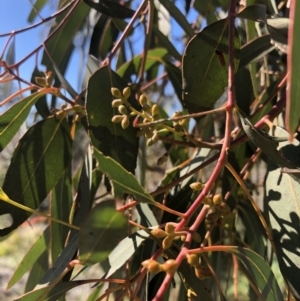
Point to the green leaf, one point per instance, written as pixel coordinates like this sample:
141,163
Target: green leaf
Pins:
61,200
124,250
111,8
50,294
165,42
282,204
122,181
65,257
293,85
254,50
132,67
260,272
255,12
12,119
38,6
60,46
178,16
39,269
32,168
203,88
30,258
109,137
268,144
101,232
278,29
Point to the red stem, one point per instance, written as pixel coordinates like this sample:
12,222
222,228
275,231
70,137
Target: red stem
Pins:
222,159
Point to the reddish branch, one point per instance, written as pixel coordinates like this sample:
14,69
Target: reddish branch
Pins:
221,162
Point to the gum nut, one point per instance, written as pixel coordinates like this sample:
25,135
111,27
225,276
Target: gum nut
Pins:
170,228
143,100
167,242
117,119
116,103
155,109
207,201
158,233
197,186
123,110
193,260
125,122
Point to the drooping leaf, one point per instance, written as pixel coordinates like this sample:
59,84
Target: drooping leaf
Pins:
66,256
60,203
60,46
203,88
111,8
260,273
38,271
132,67
30,258
278,29
106,136
50,294
38,6
124,251
293,86
255,12
255,50
207,9
268,144
178,16
32,168
101,232
12,119
165,42
122,180
282,204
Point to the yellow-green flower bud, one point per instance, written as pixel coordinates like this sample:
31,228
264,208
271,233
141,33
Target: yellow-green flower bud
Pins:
152,266
207,201
116,103
123,110
170,228
126,92
116,92
125,122
167,242
193,260
155,109
197,186
170,266
143,100
159,233
217,199
117,119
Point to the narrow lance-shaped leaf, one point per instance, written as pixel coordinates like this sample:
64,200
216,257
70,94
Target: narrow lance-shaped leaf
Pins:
12,119
32,169
111,8
268,144
205,72
122,181
30,258
101,232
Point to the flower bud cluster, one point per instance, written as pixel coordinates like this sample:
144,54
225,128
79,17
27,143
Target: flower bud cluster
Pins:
122,104
218,208
150,113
